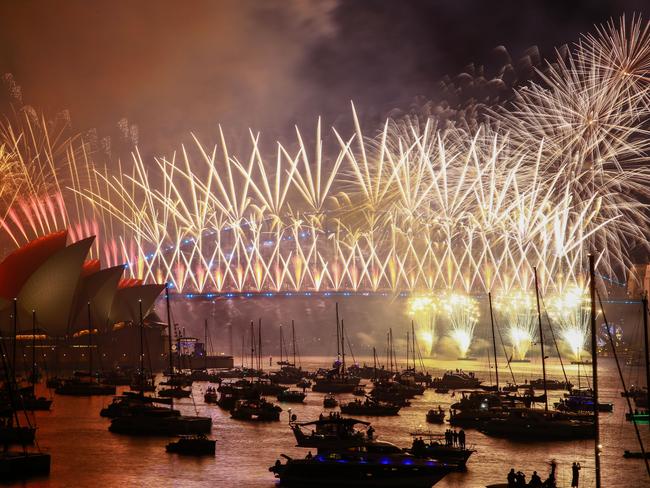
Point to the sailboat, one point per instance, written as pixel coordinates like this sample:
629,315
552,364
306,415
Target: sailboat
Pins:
337,379
289,373
82,385
21,463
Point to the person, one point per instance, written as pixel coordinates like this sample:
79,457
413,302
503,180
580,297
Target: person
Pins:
308,456
575,469
550,481
461,438
520,479
447,438
511,478
535,480
455,438
371,432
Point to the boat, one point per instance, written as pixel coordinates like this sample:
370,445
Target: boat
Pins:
337,379
255,410
393,392
175,392
457,380
359,391
76,386
117,377
437,448
18,464
193,445
23,465
330,402
17,434
581,403
436,416
635,455
123,404
333,382
304,383
332,432
363,468
638,417
291,396
155,421
26,399
211,395
369,407
538,384
536,425
476,407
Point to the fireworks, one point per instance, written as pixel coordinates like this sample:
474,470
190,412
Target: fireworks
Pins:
462,313
416,208
570,310
425,311
518,310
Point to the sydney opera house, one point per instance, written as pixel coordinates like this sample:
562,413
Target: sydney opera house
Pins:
52,295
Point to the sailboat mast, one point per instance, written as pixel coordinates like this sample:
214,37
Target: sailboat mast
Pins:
293,341
141,348
342,347
205,348
494,341
541,340
644,300
281,343
13,345
90,345
169,332
374,360
33,347
252,346
413,344
408,346
594,363
259,343
338,338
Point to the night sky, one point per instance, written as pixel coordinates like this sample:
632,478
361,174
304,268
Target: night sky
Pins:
176,67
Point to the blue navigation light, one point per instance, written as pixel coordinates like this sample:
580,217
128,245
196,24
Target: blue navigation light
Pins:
407,462
319,458
384,461
430,463
342,461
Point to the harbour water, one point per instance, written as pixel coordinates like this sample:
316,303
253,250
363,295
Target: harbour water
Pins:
85,454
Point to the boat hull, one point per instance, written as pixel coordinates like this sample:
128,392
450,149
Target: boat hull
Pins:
20,465
163,426
332,473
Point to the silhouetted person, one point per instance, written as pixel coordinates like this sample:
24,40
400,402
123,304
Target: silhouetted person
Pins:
512,478
575,469
308,456
520,479
550,481
461,439
535,480
454,437
371,432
